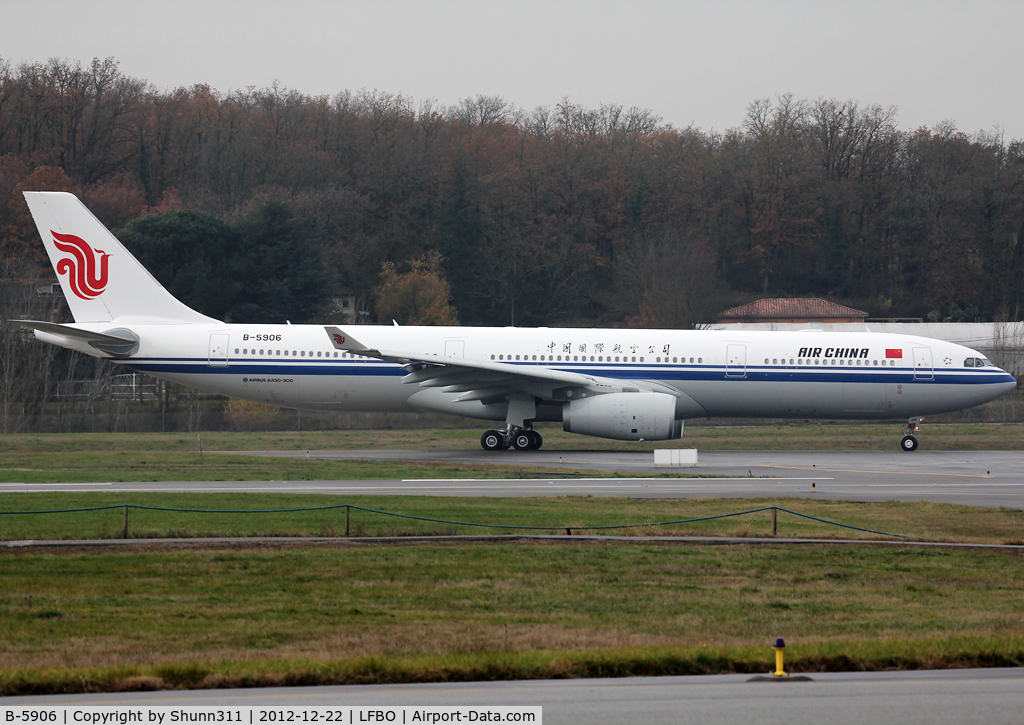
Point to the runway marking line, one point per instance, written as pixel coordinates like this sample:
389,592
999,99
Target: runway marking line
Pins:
892,473
56,483
686,479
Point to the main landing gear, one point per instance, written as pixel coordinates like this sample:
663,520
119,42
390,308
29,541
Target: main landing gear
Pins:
522,439
909,442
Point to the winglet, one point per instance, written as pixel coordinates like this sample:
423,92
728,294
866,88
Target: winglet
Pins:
343,341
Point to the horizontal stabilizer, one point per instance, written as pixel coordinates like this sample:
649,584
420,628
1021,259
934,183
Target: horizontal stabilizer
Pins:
119,343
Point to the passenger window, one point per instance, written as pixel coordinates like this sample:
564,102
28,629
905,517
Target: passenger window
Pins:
700,359
775,361
236,350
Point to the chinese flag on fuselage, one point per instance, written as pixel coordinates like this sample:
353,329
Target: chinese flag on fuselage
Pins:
893,353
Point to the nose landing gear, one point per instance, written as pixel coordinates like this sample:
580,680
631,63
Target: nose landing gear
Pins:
909,442
522,439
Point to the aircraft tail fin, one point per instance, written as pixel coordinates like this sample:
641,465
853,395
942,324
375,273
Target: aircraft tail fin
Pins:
101,280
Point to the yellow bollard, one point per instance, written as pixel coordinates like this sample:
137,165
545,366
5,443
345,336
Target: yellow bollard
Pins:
780,644
780,674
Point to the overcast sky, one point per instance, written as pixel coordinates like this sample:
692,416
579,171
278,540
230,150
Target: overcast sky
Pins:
691,62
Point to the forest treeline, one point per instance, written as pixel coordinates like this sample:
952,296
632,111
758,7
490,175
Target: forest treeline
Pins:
560,215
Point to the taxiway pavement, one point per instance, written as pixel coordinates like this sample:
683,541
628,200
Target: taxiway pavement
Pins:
973,478
935,697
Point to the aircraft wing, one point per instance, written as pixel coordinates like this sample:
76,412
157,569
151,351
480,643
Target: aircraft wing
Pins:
485,380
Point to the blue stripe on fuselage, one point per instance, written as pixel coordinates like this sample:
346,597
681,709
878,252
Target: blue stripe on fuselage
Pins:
635,371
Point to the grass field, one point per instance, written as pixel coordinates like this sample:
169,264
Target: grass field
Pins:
87,620
79,621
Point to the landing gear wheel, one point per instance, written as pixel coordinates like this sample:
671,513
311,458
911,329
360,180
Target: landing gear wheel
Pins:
537,440
523,440
909,443
492,440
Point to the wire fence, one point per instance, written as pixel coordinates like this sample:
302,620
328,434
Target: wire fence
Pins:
775,510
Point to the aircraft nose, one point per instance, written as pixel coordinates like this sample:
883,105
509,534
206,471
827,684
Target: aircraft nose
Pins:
1008,384
1005,383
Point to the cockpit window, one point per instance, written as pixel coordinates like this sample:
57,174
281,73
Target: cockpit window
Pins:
969,362
984,362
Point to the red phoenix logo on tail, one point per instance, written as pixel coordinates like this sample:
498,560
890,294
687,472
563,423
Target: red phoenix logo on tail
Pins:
338,339
81,265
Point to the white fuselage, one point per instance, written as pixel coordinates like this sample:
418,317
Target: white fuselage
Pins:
620,384
722,373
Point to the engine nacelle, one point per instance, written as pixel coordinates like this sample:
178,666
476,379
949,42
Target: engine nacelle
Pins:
624,416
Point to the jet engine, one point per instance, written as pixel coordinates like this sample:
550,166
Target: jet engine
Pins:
624,416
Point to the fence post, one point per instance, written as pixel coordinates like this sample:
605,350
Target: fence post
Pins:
124,530
775,520
347,509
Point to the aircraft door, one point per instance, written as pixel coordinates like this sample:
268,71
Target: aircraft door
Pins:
454,348
219,350
736,361
923,363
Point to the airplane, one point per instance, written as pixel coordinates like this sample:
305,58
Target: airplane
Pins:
623,384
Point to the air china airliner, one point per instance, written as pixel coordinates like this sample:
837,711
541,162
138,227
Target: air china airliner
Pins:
635,385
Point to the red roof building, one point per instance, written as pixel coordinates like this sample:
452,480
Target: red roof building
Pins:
793,309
